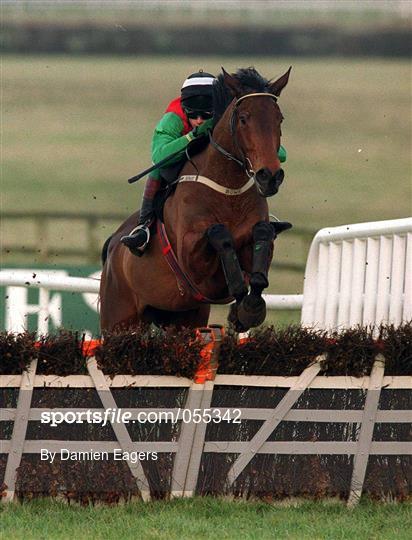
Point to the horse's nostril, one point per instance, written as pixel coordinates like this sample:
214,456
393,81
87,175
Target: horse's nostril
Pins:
268,184
279,176
263,175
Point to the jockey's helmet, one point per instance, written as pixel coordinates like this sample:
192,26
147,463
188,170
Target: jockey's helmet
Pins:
197,92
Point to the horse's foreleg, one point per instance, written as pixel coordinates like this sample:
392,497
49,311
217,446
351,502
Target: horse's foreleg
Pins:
221,241
252,310
263,236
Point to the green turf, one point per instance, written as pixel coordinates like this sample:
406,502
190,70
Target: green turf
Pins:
207,519
77,128
74,129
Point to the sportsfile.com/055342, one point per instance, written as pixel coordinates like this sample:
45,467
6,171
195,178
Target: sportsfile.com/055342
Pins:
103,417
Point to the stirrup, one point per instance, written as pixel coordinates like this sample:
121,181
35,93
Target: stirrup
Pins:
129,237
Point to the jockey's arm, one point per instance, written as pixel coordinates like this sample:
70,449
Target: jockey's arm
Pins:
168,138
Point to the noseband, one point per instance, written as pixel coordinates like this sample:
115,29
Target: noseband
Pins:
244,161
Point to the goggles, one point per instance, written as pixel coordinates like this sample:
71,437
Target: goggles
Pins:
195,113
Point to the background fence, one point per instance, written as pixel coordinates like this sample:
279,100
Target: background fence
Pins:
45,247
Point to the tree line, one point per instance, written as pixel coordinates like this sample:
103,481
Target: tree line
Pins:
90,38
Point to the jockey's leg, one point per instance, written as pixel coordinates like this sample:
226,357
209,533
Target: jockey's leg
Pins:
139,237
221,240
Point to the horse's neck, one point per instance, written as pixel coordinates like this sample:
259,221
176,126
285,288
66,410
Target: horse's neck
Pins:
218,167
222,170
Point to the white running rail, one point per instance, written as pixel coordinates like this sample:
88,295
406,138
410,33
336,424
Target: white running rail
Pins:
359,274
87,285
49,281
17,308
355,274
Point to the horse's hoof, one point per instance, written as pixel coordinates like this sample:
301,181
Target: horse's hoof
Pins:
238,327
233,319
232,316
251,311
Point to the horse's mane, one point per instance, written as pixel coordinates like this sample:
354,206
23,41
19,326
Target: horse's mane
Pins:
250,80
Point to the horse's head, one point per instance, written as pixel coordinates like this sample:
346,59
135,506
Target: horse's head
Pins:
255,125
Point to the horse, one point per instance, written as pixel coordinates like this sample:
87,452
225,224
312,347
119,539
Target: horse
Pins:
215,242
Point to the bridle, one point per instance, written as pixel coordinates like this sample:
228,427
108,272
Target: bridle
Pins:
244,161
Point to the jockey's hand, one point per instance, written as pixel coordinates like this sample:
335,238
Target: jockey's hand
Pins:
203,128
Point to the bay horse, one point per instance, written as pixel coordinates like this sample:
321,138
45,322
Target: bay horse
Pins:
215,244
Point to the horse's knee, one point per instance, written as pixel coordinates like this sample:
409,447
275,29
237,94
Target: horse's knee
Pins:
263,232
219,237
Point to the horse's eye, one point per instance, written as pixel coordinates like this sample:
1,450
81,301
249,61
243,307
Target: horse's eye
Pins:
243,119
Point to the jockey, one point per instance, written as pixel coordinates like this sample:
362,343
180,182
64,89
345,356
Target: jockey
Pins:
186,118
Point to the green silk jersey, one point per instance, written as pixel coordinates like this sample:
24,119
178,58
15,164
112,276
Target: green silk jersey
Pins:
170,136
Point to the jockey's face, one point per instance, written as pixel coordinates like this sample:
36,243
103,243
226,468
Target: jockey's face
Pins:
194,122
196,117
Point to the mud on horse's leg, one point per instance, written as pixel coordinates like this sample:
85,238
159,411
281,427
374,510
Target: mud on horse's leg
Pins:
222,242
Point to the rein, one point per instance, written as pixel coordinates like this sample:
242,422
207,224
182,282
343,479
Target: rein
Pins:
244,162
184,283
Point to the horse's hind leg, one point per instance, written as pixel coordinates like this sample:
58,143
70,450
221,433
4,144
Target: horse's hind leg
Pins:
119,315
118,306
193,318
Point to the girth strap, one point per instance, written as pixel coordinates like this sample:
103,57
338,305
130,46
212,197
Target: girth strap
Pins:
214,185
182,278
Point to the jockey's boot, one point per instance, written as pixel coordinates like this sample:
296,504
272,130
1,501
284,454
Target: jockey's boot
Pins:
139,237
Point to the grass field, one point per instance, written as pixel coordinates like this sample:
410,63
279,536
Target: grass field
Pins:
74,129
207,519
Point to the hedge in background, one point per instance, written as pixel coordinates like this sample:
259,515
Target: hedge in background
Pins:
225,39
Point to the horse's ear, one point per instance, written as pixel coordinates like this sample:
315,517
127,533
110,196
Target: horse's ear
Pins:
277,86
232,84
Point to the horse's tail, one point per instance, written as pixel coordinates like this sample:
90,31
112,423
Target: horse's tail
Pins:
105,249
